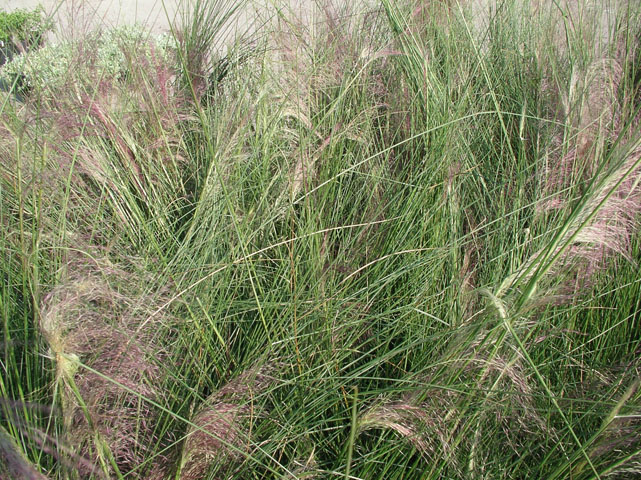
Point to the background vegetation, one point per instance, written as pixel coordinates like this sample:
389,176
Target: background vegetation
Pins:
20,31
23,25
398,242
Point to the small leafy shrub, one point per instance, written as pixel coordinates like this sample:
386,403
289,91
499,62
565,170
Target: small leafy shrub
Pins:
114,44
21,27
48,66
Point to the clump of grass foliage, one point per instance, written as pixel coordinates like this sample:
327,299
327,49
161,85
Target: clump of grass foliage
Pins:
389,241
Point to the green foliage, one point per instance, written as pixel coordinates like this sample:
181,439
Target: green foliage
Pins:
46,66
112,51
119,46
380,245
23,26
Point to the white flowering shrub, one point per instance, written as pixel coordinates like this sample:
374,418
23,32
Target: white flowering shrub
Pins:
166,44
48,67
115,44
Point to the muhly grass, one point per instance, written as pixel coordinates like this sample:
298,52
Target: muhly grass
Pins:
392,241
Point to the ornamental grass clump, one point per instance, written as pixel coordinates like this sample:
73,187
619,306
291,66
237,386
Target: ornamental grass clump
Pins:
108,363
219,438
599,228
121,136
397,242
449,413
602,223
